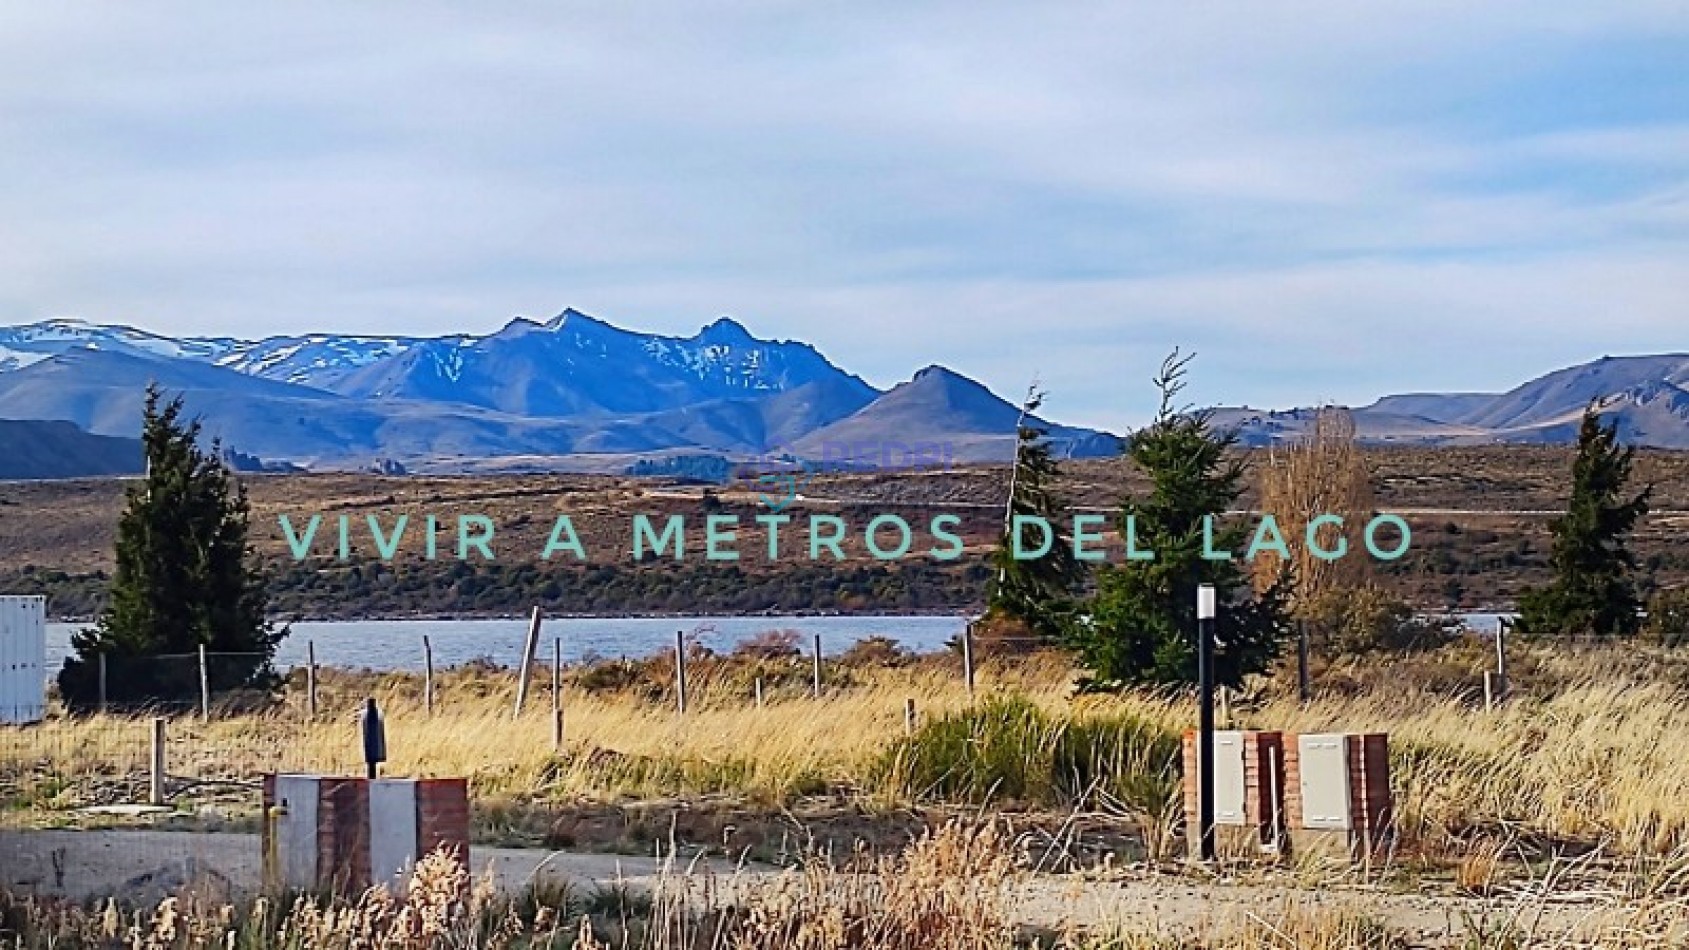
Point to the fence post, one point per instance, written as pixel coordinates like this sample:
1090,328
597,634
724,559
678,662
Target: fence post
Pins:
155,787
530,647
759,692
427,676
557,693
909,715
815,689
204,687
968,658
1501,656
680,670
102,681
311,678
1302,686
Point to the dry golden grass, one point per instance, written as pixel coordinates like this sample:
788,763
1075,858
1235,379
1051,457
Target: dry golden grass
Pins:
1584,751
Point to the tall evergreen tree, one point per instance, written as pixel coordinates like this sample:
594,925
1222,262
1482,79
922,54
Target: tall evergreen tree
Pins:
1141,625
1593,590
185,577
1036,591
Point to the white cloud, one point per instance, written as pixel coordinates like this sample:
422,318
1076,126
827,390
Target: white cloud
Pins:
986,185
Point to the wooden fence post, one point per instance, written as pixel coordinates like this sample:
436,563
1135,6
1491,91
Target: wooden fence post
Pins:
909,715
759,692
557,694
815,689
311,678
155,786
968,658
530,646
427,676
102,681
204,687
680,670
1303,688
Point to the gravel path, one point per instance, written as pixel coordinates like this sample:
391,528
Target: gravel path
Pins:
146,864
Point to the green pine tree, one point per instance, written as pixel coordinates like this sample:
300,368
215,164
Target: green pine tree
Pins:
1141,625
185,577
1038,592
1593,590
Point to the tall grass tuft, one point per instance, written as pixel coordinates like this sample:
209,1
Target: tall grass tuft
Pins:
1008,749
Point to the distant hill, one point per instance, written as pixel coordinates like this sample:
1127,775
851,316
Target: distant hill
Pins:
938,407
1647,396
36,449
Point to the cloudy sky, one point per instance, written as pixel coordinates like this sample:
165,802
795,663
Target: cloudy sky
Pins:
1326,201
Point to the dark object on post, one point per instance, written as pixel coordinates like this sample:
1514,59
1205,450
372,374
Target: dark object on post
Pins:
375,738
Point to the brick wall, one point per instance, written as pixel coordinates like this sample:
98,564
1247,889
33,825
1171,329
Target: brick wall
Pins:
1263,762
1371,804
442,808
343,858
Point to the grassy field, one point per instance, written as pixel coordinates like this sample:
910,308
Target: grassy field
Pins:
1576,757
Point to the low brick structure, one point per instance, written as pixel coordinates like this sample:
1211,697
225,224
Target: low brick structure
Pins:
1249,784
1337,795
343,834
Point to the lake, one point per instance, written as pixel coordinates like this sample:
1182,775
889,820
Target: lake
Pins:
397,644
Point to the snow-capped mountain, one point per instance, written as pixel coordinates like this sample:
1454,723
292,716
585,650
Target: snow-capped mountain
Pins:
318,359
22,346
570,387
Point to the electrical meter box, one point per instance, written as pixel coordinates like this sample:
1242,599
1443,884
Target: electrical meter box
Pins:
1324,781
23,659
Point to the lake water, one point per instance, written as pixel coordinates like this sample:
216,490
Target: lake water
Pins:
397,644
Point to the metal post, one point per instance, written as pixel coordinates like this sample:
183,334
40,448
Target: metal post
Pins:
1302,687
375,738
680,670
102,681
968,658
1205,610
204,687
816,688
427,676
557,693
311,678
155,787
530,646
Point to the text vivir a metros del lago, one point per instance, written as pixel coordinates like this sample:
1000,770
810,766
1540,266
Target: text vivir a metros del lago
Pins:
780,536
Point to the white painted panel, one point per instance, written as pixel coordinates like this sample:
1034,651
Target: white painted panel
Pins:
392,829
1228,779
23,659
1325,781
296,831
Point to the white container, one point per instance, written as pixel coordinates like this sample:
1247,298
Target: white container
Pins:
23,659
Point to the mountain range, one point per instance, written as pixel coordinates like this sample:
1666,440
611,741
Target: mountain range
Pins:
1646,396
573,392
576,393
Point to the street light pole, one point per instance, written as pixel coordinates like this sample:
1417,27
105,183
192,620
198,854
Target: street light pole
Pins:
1205,611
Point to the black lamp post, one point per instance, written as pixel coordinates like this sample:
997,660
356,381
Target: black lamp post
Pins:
1205,611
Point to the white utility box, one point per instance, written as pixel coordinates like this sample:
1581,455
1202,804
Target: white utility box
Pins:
23,659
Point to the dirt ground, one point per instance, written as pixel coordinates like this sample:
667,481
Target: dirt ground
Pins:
142,865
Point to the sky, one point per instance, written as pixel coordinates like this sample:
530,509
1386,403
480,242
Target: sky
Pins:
1326,202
